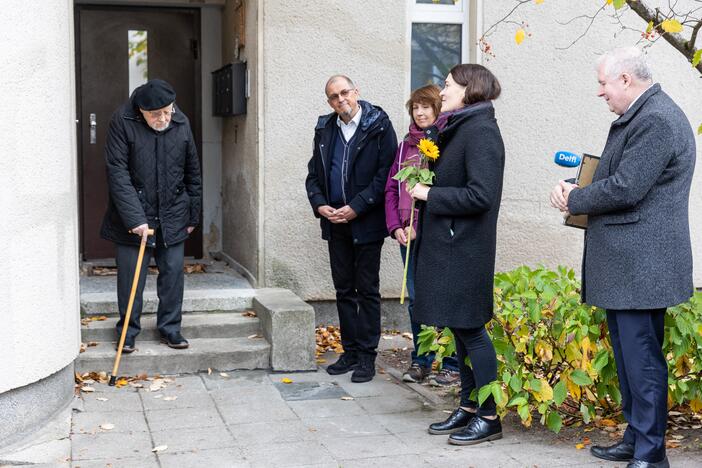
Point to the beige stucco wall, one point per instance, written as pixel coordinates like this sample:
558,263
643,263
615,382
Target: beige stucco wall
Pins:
304,43
240,161
38,193
548,103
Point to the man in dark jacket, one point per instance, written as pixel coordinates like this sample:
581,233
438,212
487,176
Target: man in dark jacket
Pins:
154,182
354,147
638,257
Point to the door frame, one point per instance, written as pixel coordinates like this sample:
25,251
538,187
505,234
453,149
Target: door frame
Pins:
195,122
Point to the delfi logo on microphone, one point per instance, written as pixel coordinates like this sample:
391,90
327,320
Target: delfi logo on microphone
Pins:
567,159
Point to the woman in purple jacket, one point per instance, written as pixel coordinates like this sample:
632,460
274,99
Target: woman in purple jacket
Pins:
424,106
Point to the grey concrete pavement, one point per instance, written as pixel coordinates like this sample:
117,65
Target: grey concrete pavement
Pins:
255,419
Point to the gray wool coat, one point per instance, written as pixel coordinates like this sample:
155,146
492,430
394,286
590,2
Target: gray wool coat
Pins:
637,245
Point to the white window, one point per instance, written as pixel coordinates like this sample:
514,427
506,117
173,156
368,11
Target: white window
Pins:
439,37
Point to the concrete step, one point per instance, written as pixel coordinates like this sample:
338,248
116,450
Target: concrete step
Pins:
194,300
194,325
151,357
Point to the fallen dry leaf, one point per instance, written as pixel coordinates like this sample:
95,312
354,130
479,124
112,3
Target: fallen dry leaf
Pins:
160,448
249,313
224,374
321,361
87,389
286,380
92,343
257,335
170,398
121,382
347,398
209,371
672,444
101,399
107,426
579,446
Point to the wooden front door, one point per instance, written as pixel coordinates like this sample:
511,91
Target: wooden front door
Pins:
118,48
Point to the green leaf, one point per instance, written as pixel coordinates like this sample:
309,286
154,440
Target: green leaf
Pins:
484,392
517,401
515,383
585,412
580,377
554,421
560,392
523,412
601,360
618,4
699,130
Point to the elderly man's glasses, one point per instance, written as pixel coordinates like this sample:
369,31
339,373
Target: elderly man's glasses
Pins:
165,113
344,93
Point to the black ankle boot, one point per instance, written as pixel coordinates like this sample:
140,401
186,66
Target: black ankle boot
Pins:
457,421
478,430
621,451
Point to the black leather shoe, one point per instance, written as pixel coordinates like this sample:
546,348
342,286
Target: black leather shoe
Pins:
457,421
620,451
365,370
478,430
346,362
128,347
644,464
175,340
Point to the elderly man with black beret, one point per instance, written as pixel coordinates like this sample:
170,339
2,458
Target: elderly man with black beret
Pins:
154,182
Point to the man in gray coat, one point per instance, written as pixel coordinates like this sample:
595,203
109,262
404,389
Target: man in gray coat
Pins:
637,259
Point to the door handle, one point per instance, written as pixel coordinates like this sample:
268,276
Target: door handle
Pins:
93,129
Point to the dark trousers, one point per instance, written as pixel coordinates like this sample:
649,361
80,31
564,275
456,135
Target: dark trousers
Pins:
355,271
169,285
425,360
475,343
637,339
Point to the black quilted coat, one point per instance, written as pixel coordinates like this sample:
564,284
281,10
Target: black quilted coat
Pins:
153,177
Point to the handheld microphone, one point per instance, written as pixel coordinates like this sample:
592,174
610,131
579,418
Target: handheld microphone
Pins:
567,159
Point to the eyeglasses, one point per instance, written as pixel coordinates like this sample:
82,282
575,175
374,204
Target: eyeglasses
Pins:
161,113
344,93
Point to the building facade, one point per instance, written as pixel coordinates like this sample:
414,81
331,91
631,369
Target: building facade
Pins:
58,87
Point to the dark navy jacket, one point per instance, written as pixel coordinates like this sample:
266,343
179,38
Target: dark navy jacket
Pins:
370,158
153,177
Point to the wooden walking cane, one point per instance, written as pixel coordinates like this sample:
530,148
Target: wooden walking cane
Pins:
127,316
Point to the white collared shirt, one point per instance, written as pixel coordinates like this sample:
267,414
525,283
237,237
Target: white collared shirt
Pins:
349,129
637,97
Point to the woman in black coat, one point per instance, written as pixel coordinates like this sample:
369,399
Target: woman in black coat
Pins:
455,250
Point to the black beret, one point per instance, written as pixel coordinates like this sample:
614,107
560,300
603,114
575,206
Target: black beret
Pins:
155,94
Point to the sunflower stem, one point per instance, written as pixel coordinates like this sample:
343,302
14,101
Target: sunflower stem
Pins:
407,254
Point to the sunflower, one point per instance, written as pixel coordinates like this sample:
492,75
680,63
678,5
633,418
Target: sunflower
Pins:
428,149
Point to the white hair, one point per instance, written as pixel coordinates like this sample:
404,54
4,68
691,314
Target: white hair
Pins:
629,60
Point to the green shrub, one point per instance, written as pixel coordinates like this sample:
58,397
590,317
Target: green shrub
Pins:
554,354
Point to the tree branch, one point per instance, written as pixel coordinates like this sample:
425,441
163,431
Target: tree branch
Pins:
685,47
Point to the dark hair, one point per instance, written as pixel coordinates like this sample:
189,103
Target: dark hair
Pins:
480,83
428,94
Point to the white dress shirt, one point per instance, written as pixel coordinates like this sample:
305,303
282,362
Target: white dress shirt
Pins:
349,129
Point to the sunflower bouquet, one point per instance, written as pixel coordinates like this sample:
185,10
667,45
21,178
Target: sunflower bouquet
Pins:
413,172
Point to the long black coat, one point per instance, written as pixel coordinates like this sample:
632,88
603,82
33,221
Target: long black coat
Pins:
455,248
370,159
153,177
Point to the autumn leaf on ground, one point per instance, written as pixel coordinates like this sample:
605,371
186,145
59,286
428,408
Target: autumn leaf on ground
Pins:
160,448
121,382
209,371
223,374
579,446
538,2
672,444
107,426
519,36
102,399
286,380
87,389
249,313
347,398
170,398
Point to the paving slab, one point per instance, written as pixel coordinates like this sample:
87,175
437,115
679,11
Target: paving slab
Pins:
225,457
264,433
326,408
183,418
193,440
238,379
111,445
173,399
393,404
125,401
145,462
395,461
289,454
267,411
301,391
345,426
354,448
90,422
